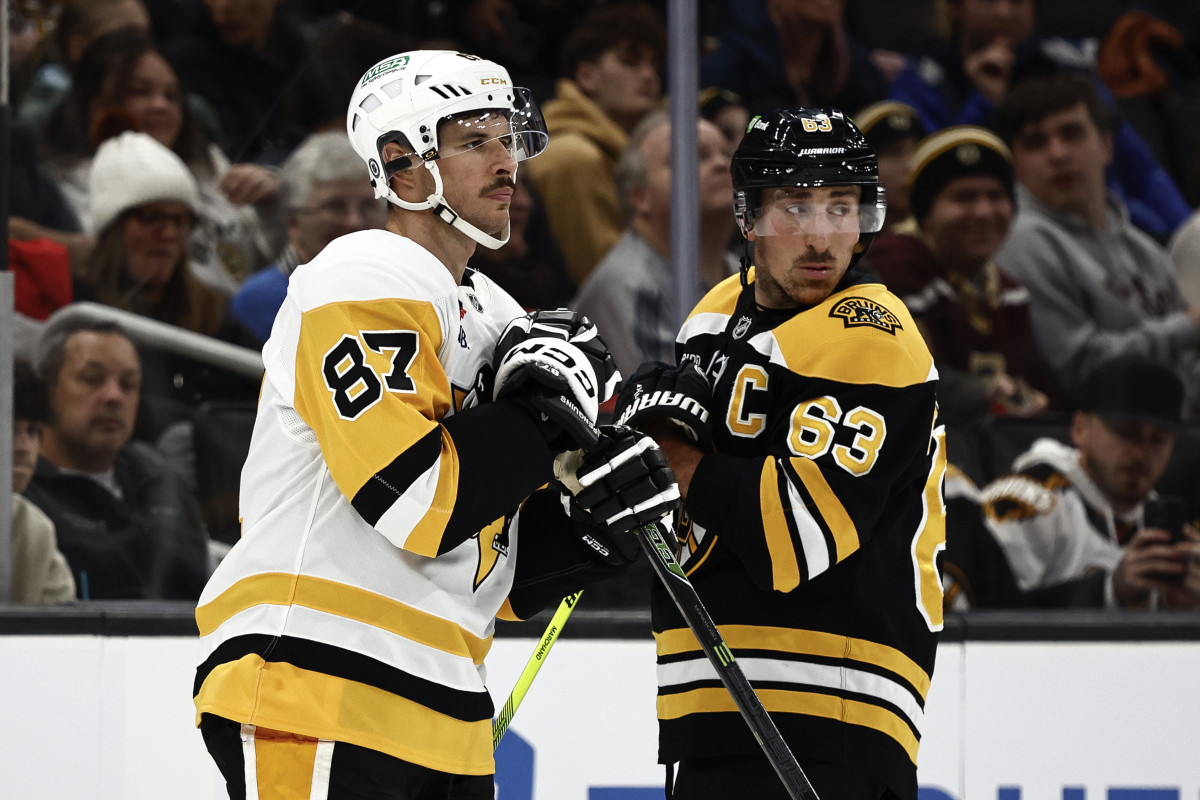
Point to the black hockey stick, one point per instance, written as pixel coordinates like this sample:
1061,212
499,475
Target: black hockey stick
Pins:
662,557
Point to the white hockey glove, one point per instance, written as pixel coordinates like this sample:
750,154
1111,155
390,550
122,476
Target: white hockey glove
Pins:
557,362
621,483
680,394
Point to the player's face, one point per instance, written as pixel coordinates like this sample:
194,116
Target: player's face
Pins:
1061,159
478,168
155,237
334,208
1125,459
155,100
968,220
95,399
803,240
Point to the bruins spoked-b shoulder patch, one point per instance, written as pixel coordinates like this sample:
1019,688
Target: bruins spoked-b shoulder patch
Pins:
855,311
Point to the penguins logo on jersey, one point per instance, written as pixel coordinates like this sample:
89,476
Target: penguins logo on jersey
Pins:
493,543
855,311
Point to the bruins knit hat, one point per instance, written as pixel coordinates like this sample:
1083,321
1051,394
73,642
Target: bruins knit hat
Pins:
956,152
132,169
887,122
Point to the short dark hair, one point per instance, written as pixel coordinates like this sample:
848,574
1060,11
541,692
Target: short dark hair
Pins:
609,26
1032,100
52,349
29,394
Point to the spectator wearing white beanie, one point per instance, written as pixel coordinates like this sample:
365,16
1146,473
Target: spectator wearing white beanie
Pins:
133,169
144,203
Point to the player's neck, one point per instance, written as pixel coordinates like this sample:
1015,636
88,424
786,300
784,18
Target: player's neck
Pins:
447,244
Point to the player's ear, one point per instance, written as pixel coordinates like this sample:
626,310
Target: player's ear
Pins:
406,181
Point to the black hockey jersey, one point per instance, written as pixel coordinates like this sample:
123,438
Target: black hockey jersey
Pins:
813,534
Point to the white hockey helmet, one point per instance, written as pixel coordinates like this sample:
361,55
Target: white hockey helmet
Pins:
403,99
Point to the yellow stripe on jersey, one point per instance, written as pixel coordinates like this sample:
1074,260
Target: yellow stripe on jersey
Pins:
426,535
411,398
931,537
855,712
284,697
722,298
349,602
845,535
814,643
785,567
889,355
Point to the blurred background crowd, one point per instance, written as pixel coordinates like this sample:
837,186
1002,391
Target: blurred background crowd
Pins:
178,159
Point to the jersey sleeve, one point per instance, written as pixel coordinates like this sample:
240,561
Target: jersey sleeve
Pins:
552,562
369,383
790,516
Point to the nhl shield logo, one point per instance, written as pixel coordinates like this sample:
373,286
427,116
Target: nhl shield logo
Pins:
742,326
856,311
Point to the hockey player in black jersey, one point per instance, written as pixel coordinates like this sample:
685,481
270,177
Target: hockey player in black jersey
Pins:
812,469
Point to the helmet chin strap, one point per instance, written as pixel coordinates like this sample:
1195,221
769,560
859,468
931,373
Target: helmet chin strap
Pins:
437,202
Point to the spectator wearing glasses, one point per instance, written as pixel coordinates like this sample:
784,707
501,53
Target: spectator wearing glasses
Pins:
322,180
143,204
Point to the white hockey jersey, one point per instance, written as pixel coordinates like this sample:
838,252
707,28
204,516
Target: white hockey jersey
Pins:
332,617
1052,521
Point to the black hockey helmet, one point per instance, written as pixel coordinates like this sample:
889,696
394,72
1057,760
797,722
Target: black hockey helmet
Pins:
806,147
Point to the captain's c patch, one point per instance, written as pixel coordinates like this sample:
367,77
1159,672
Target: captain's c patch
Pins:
861,311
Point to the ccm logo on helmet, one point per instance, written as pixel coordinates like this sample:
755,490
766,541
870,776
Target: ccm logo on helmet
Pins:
494,81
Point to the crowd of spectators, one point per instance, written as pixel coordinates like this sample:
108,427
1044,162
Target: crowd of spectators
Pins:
179,159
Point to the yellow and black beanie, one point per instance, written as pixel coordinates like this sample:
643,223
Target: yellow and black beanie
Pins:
887,122
952,153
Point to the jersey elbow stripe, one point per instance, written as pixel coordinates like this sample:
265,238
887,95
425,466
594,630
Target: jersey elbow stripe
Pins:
810,479
341,600
381,490
422,484
781,529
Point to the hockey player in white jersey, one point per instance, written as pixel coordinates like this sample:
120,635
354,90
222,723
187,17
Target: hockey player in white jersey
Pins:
390,502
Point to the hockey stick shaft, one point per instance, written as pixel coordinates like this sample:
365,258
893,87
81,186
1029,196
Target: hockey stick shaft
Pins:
662,558
536,659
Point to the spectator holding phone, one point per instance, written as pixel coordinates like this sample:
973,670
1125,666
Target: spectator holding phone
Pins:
1073,522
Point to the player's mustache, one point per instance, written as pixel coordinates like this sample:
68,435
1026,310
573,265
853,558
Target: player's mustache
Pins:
503,183
813,257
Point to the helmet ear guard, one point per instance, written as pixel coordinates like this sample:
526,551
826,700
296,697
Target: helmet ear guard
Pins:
741,213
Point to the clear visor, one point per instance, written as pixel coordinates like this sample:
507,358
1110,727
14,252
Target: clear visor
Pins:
798,210
521,131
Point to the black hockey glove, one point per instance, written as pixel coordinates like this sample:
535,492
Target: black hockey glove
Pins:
680,394
621,483
557,362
